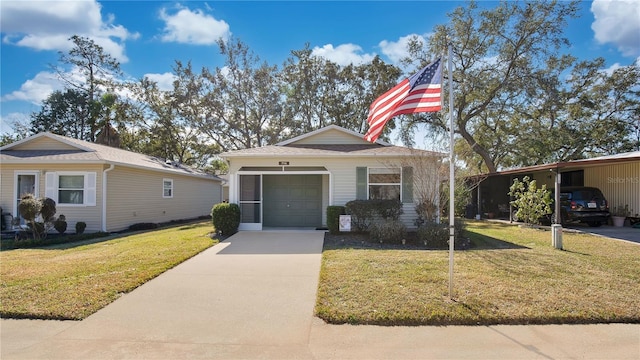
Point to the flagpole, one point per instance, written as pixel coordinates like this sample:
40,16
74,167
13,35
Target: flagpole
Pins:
451,179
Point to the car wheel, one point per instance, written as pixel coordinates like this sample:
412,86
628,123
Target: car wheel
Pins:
594,223
514,216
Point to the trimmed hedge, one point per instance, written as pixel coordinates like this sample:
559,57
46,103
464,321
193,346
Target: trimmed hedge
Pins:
363,211
333,218
388,231
226,218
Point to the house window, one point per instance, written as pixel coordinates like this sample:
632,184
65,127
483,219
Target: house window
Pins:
167,188
384,183
71,189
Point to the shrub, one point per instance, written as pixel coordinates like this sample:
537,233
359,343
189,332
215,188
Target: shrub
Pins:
388,209
30,208
80,226
143,226
60,224
333,218
426,210
435,235
432,234
361,212
388,231
532,203
48,210
226,218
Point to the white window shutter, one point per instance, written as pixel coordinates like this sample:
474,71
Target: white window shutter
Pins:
90,189
51,186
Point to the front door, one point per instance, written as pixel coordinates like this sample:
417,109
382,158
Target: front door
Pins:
292,200
26,183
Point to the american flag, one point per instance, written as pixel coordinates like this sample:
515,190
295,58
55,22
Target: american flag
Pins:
422,92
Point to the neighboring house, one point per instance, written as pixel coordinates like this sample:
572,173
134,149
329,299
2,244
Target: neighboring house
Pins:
617,176
107,188
290,184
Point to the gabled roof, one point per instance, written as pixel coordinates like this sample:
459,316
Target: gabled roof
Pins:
66,150
325,130
317,144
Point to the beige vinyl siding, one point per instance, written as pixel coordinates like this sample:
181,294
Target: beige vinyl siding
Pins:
331,137
135,196
620,183
44,143
91,215
343,177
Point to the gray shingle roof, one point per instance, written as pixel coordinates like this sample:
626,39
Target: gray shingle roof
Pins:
324,150
92,153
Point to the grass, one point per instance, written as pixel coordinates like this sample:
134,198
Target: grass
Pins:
72,281
512,276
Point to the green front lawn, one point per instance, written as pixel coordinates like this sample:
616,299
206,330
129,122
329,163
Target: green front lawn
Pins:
512,276
72,281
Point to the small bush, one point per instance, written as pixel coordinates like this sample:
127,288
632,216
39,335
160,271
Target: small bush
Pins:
333,218
48,210
143,226
60,224
388,209
388,231
80,226
226,218
532,203
435,235
361,212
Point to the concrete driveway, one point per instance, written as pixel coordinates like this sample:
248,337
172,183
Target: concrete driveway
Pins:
621,233
252,294
252,297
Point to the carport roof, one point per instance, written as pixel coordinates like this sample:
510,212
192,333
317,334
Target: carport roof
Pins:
602,160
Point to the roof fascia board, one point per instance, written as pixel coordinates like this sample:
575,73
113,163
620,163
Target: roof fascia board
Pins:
115,163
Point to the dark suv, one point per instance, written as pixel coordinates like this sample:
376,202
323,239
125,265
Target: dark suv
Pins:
583,204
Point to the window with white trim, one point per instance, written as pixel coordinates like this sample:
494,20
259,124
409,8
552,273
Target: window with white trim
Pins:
384,183
167,188
68,188
71,189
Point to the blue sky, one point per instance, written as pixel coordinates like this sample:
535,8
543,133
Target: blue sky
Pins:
148,36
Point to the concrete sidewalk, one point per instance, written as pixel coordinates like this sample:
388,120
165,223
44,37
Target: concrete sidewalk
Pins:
252,296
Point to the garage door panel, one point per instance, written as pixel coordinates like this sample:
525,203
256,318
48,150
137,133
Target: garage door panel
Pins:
292,200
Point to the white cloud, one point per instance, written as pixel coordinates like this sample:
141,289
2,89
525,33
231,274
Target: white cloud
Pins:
344,54
398,50
193,27
618,22
9,121
47,25
37,89
164,81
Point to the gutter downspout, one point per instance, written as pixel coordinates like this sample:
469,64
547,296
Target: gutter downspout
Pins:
104,197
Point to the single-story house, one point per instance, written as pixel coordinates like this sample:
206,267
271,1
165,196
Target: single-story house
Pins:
107,188
617,176
290,184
